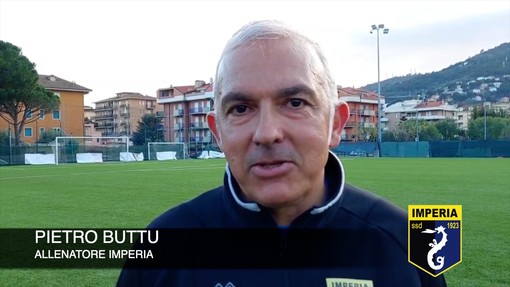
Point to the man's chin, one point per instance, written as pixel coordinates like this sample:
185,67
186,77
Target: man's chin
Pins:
276,199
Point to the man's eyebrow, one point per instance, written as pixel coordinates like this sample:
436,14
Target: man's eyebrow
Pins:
297,89
233,97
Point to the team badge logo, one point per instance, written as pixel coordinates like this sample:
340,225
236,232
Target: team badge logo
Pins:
435,237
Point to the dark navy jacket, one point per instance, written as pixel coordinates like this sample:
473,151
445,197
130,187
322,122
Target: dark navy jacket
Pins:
355,239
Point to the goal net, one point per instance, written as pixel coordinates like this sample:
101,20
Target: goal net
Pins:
91,149
166,150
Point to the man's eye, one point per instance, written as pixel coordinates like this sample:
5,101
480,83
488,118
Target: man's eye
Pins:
296,103
240,109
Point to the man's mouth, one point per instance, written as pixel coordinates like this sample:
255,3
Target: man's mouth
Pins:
271,165
271,169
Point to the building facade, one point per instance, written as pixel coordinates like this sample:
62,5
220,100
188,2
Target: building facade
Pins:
425,110
363,117
67,120
185,109
90,123
119,115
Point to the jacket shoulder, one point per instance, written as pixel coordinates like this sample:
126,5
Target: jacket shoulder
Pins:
194,213
376,211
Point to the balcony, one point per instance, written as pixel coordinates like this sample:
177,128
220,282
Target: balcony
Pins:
367,112
196,139
351,124
104,108
203,110
199,126
104,125
104,116
368,125
178,127
178,113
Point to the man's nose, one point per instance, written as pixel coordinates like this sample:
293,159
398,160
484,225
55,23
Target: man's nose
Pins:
269,127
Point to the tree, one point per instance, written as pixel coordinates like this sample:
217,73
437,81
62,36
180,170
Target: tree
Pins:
448,129
387,136
4,138
408,130
22,99
148,130
478,112
497,128
49,136
429,133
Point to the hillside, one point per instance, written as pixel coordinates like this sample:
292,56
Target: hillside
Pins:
486,75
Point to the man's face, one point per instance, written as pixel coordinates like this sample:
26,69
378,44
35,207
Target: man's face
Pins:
273,123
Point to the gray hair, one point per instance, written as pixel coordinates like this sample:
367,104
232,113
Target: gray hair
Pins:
274,30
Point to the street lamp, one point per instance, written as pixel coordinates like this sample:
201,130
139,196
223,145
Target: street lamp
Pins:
379,109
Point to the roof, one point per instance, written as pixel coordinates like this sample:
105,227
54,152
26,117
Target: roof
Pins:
404,106
347,91
198,87
127,96
52,82
415,105
433,104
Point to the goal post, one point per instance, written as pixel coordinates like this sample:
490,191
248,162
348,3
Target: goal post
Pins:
166,150
70,149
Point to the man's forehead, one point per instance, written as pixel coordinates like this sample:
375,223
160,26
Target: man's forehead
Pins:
267,47
243,69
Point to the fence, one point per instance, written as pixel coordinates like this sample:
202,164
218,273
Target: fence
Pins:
478,148
15,155
481,148
489,148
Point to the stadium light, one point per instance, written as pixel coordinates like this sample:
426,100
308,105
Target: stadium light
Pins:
379,108
485,120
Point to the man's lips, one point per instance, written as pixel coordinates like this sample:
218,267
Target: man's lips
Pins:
268,169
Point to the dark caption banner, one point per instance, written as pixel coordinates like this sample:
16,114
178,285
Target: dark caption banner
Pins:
190,248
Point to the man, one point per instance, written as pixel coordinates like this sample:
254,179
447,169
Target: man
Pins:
276,116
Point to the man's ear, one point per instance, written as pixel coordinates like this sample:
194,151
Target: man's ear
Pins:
211,122
339,121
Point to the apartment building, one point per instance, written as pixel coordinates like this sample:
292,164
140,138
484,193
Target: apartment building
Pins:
119,115
90,122
185,109
66,120
424,110
363,118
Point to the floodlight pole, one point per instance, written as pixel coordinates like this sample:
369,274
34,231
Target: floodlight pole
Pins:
10,145
379,108
485,120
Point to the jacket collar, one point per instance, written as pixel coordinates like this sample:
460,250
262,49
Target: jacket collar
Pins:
334,178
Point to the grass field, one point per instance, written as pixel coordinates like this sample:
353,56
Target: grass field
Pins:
130,195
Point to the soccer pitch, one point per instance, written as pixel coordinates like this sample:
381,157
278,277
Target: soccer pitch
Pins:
130,195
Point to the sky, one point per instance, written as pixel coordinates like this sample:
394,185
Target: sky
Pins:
114,46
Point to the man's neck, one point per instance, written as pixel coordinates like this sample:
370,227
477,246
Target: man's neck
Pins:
284,216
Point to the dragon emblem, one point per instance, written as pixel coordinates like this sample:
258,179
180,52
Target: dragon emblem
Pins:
436,247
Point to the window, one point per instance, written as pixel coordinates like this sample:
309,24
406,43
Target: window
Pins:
41,131
28,132
56,115
29,113
41,114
